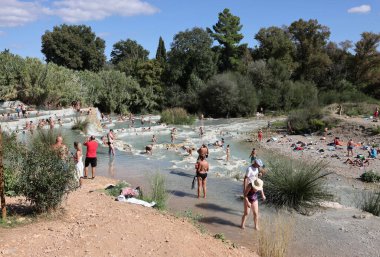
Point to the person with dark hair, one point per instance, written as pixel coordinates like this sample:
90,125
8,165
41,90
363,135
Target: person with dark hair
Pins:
92,147
110,139
202,168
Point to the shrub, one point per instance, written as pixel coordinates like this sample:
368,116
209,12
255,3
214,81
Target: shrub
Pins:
45,177
158,192
370,176
371,203
80,124
12,159
274,239
375,130
357,109
295,185
45,137
177,116
306,120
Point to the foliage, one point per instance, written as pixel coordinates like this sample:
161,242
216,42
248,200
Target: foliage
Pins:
370,176
190,54
229,95
115,190
39,173
371,203
194,218
13,153
81,124
295,185
75,47
227,32
161,56
220,236
158,192
275,238
176,116
308,120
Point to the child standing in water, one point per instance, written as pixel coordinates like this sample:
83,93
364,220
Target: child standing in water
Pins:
228,153
251,202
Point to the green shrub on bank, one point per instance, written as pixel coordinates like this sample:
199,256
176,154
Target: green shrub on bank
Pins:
13,152
295,185
81,124
370,176
177,116
358,109
158,192
371,203
46,137
310,120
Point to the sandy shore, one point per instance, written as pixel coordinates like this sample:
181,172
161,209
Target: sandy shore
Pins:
93,224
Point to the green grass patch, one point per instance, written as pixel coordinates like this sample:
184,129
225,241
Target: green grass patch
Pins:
193,218
157,193
295,185
81,124
370,177
177,116
371,203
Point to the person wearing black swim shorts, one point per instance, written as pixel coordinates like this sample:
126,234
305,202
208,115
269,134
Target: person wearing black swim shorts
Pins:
92,147
202,168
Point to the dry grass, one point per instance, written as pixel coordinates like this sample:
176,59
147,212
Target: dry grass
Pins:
275,235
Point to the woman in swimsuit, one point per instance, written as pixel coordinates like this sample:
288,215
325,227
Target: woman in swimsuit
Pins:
78,162
251,202
202,168
350,147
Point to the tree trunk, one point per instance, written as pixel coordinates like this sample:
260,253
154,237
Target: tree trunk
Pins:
2,180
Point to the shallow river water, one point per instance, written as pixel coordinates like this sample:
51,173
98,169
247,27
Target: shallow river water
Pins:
330,232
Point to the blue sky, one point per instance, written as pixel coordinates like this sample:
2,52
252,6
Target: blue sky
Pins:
23,22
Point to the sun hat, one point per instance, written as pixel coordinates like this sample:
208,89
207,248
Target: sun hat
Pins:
257,184
258,162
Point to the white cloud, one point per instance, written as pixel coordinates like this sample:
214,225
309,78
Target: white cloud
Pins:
74,11
17,12
365,8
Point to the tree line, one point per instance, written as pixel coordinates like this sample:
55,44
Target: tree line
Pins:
205,70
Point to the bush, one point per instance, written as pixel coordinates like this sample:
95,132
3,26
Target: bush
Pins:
371,203
158,191
306,120
177,116
80,124
45,177
375,130
12,160
357,109
274,239
370,177
295,185
45,137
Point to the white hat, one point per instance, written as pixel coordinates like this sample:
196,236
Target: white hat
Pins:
258,162
257,184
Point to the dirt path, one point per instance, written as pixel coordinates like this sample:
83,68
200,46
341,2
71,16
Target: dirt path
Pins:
96,225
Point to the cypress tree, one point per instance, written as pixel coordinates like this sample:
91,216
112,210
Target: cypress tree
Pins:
161,51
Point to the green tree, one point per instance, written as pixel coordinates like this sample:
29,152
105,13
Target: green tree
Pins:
310,38
367,59
127,54
161,56
191,53
75,47
227,32
11,69
275,43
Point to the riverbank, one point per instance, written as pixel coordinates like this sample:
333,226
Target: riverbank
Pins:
93,224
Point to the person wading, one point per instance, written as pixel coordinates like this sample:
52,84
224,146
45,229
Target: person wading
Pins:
202,168
92,147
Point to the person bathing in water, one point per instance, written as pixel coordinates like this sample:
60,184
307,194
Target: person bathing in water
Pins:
251,194
202,168
110,139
